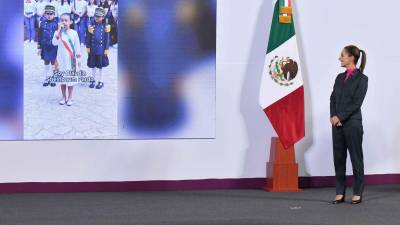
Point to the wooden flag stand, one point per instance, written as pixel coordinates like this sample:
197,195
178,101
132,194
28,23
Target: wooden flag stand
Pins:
282,169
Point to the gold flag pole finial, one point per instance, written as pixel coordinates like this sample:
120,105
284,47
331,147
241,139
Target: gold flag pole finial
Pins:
285,14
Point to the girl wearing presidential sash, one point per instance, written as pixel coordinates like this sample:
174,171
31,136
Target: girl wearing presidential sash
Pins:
46,49
68,57
97,44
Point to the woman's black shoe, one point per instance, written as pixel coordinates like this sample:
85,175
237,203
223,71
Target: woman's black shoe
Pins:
354,202
338,201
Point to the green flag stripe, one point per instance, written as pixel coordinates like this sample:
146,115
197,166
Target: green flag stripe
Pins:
280,32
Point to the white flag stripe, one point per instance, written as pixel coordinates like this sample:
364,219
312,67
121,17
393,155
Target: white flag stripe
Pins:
271,91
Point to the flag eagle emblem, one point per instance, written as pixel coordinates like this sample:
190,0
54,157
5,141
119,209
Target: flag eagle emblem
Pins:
283,70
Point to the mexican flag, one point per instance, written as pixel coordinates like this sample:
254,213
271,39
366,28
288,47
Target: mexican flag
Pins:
282,92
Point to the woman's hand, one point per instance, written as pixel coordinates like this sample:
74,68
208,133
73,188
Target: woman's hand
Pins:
335,121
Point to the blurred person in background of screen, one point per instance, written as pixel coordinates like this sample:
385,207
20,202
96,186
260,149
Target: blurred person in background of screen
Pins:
162,42
11,74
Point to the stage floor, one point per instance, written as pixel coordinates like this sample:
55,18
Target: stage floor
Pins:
381,206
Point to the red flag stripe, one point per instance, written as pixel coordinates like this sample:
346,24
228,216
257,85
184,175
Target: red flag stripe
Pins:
287,117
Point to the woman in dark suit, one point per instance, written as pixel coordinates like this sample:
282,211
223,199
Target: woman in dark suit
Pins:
347,130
